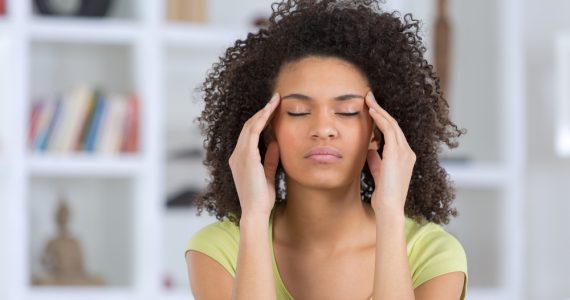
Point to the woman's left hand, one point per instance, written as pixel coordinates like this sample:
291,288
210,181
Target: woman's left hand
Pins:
392,173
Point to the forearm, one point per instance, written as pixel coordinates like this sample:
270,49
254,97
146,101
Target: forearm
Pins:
254,273
392,278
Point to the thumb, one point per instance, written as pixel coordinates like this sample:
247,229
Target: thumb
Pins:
271,161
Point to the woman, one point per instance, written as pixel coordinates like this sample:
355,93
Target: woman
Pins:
333,189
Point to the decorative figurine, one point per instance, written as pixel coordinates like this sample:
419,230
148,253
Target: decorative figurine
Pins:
62,257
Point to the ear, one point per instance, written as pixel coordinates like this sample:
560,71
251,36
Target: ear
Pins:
268,135
375,136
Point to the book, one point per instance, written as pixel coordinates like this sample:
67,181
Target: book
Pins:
112,126
75,103
93,134
130,140
87,121
43,123
33,124
82,96
55,118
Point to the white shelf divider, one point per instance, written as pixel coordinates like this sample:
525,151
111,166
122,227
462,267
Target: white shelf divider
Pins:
83,293
477,175
200,35
513,131
84,165
84,30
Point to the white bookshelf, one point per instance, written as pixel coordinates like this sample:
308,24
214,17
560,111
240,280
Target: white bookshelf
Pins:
487,98
136,49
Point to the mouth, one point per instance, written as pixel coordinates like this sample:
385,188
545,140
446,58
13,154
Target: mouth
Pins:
323,155
323,158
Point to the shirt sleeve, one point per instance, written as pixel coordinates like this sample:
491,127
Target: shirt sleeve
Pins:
217,242
436,253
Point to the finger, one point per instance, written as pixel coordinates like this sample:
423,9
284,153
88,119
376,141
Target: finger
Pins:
250,131
261,119
372,103
271,161
385,127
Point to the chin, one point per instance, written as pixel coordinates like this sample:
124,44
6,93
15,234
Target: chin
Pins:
320,178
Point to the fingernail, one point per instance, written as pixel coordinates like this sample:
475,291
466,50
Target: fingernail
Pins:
371,95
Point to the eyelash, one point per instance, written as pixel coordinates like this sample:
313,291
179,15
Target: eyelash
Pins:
302,114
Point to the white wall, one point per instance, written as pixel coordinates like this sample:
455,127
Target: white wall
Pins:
548,176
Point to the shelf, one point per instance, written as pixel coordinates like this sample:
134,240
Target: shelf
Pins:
56,67
101,220
71,293
118,10
98,294
84,30
480,175
178,295
84,165
202,35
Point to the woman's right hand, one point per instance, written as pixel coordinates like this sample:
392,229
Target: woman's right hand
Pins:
254,181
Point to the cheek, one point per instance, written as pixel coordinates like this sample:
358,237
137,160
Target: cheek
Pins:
288,140
358,133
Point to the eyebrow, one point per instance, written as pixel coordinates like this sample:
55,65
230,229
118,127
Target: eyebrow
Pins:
307,98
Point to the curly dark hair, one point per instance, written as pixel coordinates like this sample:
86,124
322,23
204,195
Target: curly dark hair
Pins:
388,49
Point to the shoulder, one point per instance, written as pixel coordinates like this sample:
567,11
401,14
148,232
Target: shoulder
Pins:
432,251
426,234
220,241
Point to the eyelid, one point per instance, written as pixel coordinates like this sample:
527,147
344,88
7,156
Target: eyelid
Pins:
339,113
293,114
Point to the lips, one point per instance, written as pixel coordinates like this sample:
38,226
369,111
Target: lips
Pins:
323,152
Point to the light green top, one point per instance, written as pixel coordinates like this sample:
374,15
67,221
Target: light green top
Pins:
431,251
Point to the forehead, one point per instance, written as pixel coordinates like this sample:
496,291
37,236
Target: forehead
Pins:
320,74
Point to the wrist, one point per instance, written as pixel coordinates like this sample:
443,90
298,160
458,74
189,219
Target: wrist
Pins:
390,215
255,217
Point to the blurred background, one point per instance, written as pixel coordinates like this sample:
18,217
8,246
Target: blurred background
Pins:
100,154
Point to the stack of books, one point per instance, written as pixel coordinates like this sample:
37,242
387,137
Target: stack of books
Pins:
85,120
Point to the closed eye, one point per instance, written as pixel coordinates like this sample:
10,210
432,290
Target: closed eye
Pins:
296,114
302,114
349,114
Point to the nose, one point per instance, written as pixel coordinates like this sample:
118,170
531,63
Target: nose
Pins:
323,126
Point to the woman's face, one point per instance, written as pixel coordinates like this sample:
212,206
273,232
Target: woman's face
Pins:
322,105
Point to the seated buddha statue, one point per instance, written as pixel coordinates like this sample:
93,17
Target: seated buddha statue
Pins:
62,257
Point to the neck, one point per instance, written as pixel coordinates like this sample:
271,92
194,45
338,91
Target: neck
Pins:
324,221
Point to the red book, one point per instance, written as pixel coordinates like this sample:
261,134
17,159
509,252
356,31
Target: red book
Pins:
134,144
34,116
2,7
130,138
